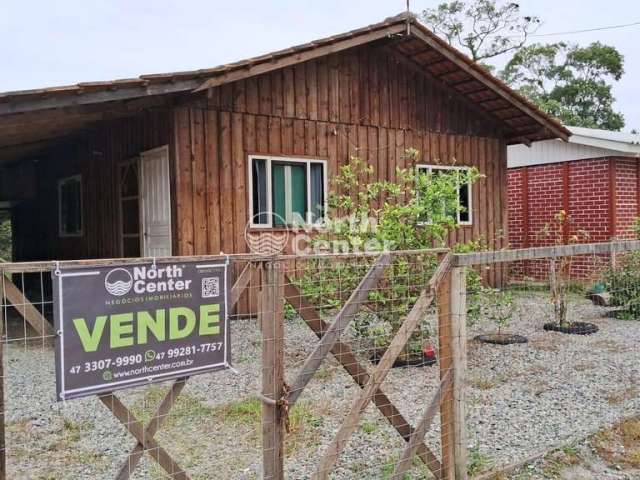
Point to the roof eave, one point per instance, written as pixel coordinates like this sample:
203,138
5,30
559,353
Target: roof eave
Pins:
622,147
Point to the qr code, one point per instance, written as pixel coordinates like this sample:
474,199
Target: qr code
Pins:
210,287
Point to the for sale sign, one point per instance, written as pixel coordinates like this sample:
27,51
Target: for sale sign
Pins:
127,325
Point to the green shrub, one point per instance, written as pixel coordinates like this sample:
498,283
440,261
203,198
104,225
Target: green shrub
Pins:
623,283
414,212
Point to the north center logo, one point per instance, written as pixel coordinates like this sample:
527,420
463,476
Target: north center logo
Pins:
118,282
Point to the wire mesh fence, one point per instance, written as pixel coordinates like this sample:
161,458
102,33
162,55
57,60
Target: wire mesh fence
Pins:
393,365
191,427
311,388
553,358
364,301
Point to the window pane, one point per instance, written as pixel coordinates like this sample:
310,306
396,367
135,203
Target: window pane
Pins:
278,194
289,192
129,181
465,213
259,179
297,214
317,192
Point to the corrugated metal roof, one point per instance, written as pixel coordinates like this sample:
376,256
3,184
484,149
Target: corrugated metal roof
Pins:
607,135
585,143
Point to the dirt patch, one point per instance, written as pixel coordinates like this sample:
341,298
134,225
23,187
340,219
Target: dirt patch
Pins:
611,454
626,434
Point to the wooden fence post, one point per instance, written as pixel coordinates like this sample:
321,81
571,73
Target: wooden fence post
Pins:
3,456
458,309
451,299
443,296
271,318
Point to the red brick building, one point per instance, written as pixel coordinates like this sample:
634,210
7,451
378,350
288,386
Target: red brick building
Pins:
595,177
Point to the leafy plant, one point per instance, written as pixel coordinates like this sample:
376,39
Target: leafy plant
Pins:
623,283
558,232
636,227
414,212
477,462
497,306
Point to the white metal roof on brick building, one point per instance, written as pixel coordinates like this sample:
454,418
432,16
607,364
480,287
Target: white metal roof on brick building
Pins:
584,143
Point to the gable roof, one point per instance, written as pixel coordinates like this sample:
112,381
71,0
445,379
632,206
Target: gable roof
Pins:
63,110
584,143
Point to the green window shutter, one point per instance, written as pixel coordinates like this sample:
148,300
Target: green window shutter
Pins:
298,188
278,194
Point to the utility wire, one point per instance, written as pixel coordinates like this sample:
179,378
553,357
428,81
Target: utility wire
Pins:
571,32
596,29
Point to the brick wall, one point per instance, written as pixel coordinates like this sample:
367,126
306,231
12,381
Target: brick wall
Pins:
583,189
626,197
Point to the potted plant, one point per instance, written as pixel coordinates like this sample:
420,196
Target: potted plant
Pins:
558,231
498,306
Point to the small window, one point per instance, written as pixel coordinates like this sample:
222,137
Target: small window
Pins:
286,191
463,214
70,206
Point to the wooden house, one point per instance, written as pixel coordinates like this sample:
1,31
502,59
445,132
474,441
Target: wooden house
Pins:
173,163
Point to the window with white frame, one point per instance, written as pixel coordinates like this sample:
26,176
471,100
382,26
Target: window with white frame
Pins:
286,191
70,206
465,207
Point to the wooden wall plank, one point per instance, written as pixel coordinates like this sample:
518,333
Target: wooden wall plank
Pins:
212,166
184,182
288,92
198,173
238,167
226,184
312,90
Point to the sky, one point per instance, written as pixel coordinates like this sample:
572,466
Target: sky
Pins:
47,43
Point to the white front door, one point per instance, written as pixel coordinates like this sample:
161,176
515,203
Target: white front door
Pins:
155,202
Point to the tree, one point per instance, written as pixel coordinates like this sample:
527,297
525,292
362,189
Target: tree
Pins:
570,82
482,28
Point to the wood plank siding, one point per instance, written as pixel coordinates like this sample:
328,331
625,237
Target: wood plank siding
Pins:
363,101
95,155
359,102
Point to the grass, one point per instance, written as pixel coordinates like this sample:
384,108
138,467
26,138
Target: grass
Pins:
485,383
558,461
304,417
325,373
369,427
58,454
244,412
477,462
418,469
185,407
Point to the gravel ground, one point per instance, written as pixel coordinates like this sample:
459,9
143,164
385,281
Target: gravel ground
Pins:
522,399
